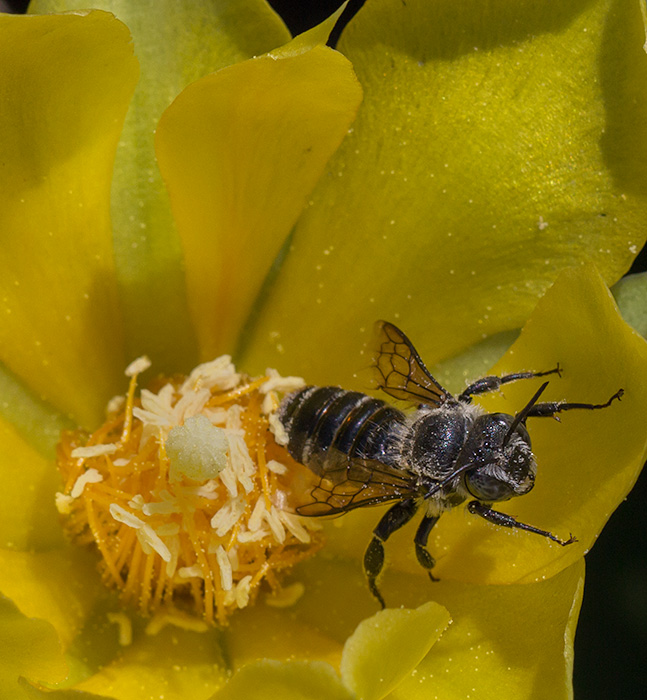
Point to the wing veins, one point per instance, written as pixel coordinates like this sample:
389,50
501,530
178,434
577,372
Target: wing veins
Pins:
364,483
395,352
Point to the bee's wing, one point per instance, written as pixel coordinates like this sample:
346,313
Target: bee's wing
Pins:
346,484
402,373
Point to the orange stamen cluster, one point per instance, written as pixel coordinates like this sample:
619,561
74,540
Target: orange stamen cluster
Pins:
201,546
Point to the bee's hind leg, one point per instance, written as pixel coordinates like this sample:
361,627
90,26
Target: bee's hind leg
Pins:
397,516
420,540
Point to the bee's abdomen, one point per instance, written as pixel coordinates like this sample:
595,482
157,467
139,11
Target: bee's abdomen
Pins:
319,420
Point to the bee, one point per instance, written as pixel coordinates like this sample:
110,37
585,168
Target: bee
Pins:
448,450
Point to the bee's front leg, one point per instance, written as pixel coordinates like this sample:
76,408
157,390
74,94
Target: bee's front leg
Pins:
397,516
497,518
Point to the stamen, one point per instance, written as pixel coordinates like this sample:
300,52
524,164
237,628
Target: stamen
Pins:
190,526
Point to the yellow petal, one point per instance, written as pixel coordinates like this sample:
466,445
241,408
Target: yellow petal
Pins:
65,83
497,144
336,598
59,586
37,692
253,634
29,648
28,517
387,647
174,664
240,151
177,42
316,36
505,642
297,680
516,638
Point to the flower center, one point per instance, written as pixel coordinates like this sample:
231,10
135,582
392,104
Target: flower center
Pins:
185,493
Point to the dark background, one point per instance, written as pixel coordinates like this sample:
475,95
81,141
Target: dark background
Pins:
612,632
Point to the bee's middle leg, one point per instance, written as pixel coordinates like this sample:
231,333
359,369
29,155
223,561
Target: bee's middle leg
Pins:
420,540
397,516
493,383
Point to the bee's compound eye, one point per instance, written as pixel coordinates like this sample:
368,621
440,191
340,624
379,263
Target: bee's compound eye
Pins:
486,486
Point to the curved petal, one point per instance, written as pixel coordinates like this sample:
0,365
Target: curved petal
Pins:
240,151
315,36
296,680
176,41
33,692
505,642
60,586
174,664
65,83
386,648
498,143
29,648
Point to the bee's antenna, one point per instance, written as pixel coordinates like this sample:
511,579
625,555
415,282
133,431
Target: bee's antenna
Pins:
523,414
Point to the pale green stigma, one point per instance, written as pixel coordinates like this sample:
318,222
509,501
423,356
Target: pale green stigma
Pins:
196,450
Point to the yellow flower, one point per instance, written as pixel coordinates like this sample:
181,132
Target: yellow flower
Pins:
496,149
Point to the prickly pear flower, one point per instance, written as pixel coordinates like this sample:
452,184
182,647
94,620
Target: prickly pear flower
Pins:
240,200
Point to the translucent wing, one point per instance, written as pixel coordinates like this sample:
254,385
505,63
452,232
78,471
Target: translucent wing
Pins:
402,373
346,484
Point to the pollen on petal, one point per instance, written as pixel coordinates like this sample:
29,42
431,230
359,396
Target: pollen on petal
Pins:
185,494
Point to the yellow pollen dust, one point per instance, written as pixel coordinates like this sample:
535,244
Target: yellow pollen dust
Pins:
185,493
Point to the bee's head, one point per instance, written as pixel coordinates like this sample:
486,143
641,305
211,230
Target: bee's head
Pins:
504,465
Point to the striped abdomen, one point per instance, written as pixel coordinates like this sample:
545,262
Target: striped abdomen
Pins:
321,420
